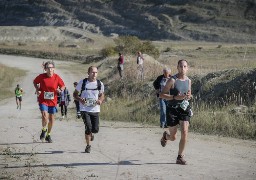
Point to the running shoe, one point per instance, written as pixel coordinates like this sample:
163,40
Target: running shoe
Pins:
48,139
42,136
88,149
181,160
163,139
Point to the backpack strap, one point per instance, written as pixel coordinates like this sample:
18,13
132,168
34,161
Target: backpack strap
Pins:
98,85
84,83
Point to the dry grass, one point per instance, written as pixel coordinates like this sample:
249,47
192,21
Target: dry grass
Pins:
8,76
134,99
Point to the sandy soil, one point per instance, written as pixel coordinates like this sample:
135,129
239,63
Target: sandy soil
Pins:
119,151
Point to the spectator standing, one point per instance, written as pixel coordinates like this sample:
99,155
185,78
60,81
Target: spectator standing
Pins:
140,66
159,84
120,65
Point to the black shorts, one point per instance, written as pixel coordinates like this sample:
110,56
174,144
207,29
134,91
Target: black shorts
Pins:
173,116
91,122
19,98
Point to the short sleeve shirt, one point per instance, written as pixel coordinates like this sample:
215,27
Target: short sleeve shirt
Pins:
48,85
90,92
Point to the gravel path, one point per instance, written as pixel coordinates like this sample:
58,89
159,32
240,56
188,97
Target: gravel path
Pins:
120,150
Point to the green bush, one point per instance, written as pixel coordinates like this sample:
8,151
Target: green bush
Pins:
108,51
132,44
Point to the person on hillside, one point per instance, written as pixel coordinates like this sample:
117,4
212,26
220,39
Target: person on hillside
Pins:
178,93
140,66
63,100
120,65
159,84
47,86
91,92
18,94
78,114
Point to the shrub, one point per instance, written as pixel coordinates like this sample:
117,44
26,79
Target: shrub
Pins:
108,51
132,44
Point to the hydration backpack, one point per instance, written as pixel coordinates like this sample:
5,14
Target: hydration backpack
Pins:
84,82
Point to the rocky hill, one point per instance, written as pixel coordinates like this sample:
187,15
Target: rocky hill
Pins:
205,20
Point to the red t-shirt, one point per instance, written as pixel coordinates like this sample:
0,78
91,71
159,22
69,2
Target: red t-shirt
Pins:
48,85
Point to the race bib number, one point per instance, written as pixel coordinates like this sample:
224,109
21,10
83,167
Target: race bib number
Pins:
90,102
48,95
184,105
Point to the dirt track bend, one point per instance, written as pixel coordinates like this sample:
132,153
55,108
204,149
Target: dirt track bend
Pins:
119,151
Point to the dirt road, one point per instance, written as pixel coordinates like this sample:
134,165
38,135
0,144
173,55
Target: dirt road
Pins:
120,150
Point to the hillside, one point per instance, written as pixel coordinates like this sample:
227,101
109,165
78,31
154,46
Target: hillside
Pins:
232,21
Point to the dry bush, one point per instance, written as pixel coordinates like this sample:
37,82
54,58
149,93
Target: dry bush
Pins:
8,76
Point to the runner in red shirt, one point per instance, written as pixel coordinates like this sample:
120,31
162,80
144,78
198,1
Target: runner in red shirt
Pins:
47,85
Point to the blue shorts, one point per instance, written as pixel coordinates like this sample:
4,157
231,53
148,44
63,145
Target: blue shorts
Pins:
49,109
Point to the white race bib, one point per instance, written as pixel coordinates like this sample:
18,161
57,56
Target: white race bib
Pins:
90,102
184,105
48,95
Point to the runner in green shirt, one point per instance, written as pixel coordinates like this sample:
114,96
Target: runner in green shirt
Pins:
18,93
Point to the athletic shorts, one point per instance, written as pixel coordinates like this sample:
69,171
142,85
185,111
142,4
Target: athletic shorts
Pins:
173,116
91,122
19,98
49,109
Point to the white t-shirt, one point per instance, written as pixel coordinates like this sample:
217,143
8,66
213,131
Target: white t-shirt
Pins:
140,60
90,95
163,83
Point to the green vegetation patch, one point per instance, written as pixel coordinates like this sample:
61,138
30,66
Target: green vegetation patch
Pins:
8,76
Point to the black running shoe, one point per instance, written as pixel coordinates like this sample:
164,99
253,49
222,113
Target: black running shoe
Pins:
181,160
48,139
88,149
42,136
163,139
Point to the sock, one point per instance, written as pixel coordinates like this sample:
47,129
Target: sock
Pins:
179,156
48,134
44,129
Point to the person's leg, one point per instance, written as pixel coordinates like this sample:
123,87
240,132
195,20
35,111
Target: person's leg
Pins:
50,124
52,110
122,70
17,102
142,73
173,133
162,113
61,109
172,123
184,136
44,118
78,114
44,113
20,99
88,130
119,71
66,110
95,124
